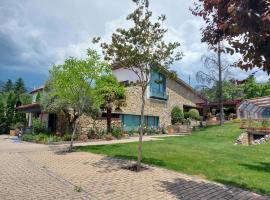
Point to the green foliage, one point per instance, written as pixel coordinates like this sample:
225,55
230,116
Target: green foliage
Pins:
38,97
111,94
117,132
194,114
19,87
73,81
41,137
252,89
10,108
230,92
3,120
96,134
37,126
66,137
8,86
177,115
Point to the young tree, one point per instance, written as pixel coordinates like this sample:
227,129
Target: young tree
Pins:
141,48
244,23
72,82
112,94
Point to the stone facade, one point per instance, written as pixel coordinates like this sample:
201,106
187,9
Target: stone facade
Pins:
178,95
86,122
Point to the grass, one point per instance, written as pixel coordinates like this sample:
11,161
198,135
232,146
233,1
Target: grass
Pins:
209,153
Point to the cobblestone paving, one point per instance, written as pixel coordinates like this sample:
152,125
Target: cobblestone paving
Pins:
52,174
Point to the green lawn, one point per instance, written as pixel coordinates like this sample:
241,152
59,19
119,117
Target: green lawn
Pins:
209,153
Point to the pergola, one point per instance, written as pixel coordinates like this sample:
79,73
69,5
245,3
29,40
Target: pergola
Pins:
254,108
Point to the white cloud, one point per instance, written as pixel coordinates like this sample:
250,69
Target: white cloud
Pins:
34,34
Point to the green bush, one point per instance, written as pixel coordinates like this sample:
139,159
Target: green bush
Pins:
42,137
194,114
177,115
117,132
186,115
37,126
28,137
66,137
132,132
96,134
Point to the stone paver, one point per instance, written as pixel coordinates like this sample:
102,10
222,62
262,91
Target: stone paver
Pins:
46,173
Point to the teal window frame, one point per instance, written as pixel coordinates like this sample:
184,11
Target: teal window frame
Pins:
132,122
158,90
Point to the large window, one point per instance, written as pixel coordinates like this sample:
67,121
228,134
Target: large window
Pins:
130,122
158,86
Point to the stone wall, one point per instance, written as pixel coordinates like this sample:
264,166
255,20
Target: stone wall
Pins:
178,95
86,122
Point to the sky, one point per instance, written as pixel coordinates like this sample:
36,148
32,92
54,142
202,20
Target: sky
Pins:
36,34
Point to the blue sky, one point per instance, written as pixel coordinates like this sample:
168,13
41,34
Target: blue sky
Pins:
35,34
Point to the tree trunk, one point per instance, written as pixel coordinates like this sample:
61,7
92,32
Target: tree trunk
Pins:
221,113
109,119
72,137
139,159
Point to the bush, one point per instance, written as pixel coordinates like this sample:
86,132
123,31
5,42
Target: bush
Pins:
186,115
28,137
194,114
96,134
66,137
132,132
37,126
117,132
40,138
151,131
177,115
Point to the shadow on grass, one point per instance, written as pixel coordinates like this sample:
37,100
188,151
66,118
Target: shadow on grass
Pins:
261,166
188,189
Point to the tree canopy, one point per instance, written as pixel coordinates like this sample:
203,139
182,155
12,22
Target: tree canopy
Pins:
112,95
73,83
245,24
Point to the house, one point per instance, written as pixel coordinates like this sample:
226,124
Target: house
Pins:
162,95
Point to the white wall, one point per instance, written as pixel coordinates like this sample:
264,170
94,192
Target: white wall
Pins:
125,75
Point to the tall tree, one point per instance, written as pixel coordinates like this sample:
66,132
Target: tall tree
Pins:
8,86
72,82
19,87
112,95
216,72
245,24
141,48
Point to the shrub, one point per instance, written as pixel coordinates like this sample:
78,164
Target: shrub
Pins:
27,137
186,115
194,114
66,137
265,124
132,132
177,115
37,126
96,134
117,132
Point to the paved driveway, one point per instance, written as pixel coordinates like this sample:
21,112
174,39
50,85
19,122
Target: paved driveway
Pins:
33,171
